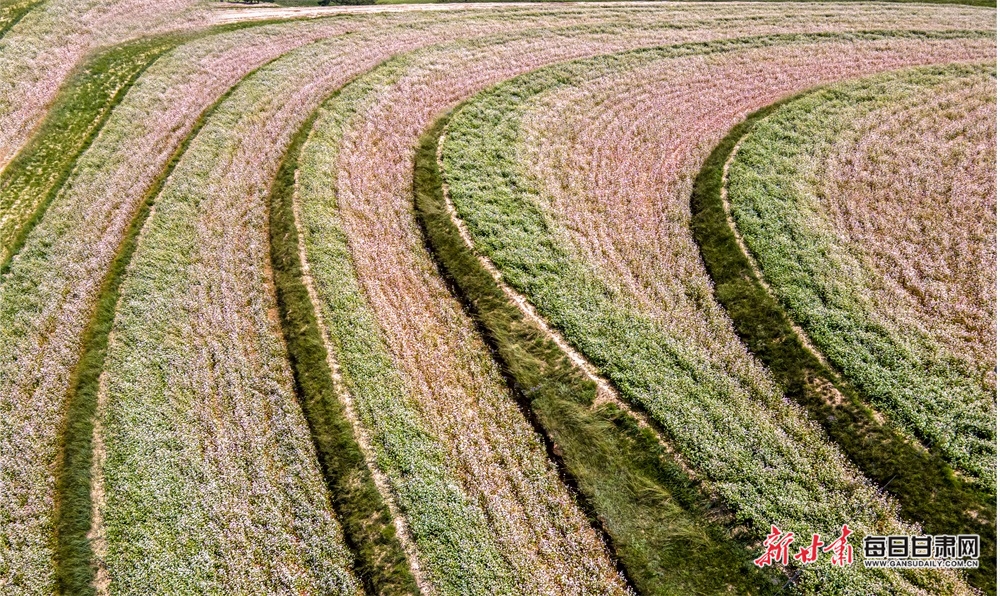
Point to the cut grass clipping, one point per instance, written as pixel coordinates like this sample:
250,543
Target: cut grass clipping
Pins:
923,483
657,520
368,526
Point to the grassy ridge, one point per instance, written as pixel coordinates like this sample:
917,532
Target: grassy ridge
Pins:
34,177
658,522
923,483
737,431
30,182
368,527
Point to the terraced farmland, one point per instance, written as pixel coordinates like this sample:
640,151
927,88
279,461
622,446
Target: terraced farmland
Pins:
523,299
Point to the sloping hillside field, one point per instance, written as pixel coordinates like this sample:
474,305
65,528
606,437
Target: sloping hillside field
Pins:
632,298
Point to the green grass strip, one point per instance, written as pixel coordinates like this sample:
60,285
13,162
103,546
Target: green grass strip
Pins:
31,181
12,14
924,485
75,565
938,393
367,522
657,521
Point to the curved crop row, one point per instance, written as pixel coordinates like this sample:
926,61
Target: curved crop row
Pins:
41,50
621,276
51,289
391,275
229,488
870,209
209,331
33,178
199,450
667,535
924,484
364,349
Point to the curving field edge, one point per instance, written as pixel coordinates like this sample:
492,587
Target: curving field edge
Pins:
924,484
625,477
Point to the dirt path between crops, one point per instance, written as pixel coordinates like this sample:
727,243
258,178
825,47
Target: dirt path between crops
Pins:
96,535
403,532
799,331
235,13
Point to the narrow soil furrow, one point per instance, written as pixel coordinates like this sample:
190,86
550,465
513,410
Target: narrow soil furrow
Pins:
923,484
386,560
759,275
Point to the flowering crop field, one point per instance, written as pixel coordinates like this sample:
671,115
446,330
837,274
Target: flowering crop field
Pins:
893,281
414,299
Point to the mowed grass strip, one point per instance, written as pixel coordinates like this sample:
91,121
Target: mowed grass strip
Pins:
49,296
29,183
647,359
50,42
460,552
923,482
659,522
369,530
198,386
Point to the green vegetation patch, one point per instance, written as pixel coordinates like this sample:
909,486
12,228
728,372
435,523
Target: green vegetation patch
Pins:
458,554
758,453
658,521
12,12
30,182
777,204
75,563
923,484
211,477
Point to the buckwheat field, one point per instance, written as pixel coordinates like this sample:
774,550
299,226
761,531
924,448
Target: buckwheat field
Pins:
497,298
